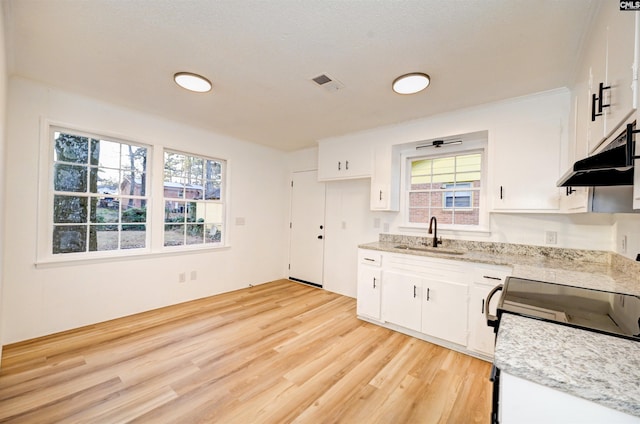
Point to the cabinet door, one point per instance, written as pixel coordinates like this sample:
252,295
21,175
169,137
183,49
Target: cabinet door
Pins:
402,300
338,161
369,289
621,40
481,336
526,166
444,313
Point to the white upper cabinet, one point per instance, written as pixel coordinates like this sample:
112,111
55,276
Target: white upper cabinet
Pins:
342,160
525,166
609,65
385,181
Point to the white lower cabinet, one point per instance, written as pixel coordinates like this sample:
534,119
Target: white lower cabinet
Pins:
438,300
482,338
444,311
402,300
369,284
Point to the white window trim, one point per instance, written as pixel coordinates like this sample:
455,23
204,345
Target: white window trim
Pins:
44,257
476,144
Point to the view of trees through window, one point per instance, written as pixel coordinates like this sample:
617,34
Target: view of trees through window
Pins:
193,201
445,187
100,194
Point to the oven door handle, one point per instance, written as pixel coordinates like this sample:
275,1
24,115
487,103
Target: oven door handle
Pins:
492,320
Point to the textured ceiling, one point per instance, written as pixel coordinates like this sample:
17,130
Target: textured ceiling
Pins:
261,56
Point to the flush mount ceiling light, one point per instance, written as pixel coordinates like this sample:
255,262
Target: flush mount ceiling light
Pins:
192,82
411,83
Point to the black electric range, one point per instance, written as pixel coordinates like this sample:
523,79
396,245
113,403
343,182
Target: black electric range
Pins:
616,314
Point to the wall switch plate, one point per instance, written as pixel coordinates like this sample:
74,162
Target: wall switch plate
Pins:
551,237
623,247
182,277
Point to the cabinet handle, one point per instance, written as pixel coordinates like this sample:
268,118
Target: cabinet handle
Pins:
380,194
369,259
500,192
374,282
601,105
339,165
346,165
427,294
594,99
482,310
570,190
414,291
492,278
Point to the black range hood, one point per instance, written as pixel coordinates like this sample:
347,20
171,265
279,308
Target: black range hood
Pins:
612,166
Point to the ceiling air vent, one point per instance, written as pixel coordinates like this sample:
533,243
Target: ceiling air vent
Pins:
328,83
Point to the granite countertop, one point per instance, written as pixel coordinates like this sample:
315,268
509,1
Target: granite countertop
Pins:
597,367
582,268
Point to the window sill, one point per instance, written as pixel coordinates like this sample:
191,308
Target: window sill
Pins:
167,251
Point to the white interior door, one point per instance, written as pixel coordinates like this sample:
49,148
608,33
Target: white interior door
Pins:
306,249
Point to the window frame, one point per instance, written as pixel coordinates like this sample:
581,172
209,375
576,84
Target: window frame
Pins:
473,143
43,255
223,201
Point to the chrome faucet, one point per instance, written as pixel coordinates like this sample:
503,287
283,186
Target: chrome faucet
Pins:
433,229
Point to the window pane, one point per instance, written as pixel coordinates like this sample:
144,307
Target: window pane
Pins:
70,178
419,215
133,236
195,233
468,163
69,239
193,191
174,234
69,209
213,233
212,190
174,189
213,213
71,148
104,181
174,211
173,165
108,154
195,172
106,210
134,158
103,237
133,212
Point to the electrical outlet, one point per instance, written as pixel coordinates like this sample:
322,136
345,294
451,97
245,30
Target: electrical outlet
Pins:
182,277
551,237
194,275
623,247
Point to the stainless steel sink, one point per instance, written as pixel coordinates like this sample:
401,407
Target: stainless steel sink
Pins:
430,249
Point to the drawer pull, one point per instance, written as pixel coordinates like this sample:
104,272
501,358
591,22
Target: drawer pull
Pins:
491,278
414,291
374,282
428,293
369,259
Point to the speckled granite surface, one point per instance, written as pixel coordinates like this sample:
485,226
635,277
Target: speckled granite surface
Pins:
596,367
583,268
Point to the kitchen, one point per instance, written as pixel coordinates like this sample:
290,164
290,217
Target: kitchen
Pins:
51,297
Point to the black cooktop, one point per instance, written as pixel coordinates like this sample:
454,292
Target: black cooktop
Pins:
605,312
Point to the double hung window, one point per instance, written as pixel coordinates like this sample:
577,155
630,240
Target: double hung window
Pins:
193,200
447,187
100,194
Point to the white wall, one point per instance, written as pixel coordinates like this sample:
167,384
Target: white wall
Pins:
3,127
42,300
627,225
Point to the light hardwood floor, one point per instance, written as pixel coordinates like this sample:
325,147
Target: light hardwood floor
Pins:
275,353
